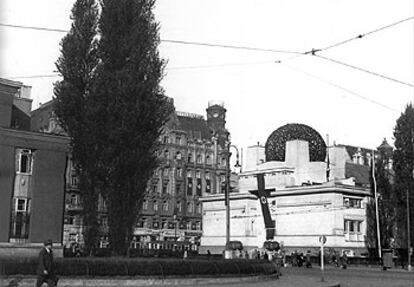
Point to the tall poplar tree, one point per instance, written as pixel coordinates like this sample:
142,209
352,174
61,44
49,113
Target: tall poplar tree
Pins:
131,109
76,65
403,165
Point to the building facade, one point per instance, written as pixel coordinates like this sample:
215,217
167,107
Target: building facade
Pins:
314,190
32,172
192,158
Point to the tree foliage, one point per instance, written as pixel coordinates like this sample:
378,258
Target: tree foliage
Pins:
403,159
76,64
124,108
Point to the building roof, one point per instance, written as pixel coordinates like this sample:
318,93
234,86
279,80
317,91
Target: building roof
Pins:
359,172
195,125
385,145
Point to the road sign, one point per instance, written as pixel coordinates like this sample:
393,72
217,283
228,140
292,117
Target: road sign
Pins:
322,239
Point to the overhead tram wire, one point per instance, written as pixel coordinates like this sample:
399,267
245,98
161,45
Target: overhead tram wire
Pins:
359,36
167,68
257,49
343,89
364,70
365,34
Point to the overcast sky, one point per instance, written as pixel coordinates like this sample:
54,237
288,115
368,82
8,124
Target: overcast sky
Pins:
353,107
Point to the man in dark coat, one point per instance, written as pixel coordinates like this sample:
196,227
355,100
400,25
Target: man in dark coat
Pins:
45,272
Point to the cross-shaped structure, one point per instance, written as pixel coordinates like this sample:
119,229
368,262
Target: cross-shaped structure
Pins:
263,194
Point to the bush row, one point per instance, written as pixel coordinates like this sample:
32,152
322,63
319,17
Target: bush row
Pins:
129,267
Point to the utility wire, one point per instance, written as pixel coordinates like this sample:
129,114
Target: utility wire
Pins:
365,34
33,76
344,89
218,65
34,28
167,68
364,70
167,40
314,51
231,46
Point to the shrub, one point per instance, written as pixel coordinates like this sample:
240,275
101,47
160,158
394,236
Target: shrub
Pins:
204,267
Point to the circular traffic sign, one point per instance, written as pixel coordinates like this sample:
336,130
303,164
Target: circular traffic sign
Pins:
322,239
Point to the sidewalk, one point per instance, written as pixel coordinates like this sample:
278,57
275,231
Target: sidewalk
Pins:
284,281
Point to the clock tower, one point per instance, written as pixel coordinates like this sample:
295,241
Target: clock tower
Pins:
216,121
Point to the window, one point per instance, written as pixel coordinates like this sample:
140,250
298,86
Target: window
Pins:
189,207
165,172
165,188
198,174
207,175
352,202
352,226
178,140
154,188
165,139
208,159
199,208
223,162
20,218
155,205
25,161
198,225
178,188
145,204
165,206
199,159
190,157
166,154
74,180
164,224
104,221
179,206
179,172
178,156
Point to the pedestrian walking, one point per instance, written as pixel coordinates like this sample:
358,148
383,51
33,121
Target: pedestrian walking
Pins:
308,259
344,260
45,272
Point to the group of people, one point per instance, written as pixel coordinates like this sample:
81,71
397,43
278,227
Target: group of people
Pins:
298,259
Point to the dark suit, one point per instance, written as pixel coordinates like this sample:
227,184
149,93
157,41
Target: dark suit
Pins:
45,264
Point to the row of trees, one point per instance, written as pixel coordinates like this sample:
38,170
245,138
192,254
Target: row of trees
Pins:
112,106
394,184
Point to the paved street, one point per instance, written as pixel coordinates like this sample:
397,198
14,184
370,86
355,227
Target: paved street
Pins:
350,277
302,277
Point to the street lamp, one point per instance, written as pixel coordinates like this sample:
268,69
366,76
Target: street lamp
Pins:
227,191
175,226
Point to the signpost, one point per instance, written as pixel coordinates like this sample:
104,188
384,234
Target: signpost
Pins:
322,241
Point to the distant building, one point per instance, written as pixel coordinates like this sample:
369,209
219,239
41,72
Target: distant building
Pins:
32,173
193,164
318,190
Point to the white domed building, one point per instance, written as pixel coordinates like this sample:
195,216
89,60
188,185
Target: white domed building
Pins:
313,190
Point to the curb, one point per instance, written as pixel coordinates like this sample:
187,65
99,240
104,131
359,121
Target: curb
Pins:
67,282
73,282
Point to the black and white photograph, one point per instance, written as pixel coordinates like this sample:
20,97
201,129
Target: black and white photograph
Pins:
207,143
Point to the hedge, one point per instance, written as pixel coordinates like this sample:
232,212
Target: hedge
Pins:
141,267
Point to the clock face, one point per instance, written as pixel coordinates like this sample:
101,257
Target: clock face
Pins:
215,115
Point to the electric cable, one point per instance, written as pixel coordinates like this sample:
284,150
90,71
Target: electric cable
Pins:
344,89
364,70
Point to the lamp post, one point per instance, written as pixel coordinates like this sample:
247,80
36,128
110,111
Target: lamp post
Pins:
227,191
175,226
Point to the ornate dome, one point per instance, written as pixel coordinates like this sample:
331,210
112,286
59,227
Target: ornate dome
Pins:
276,143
